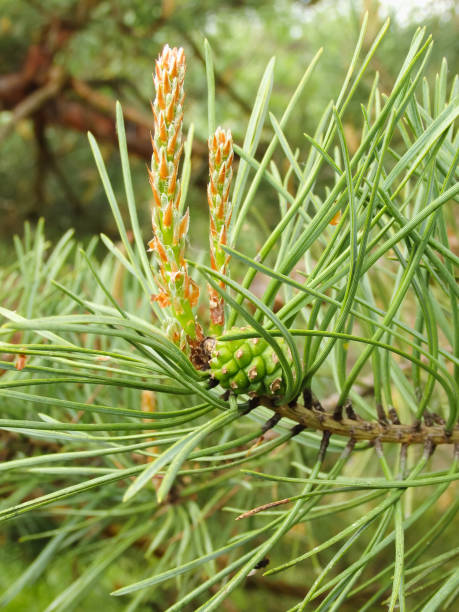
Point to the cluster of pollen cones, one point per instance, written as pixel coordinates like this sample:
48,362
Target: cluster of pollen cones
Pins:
170,223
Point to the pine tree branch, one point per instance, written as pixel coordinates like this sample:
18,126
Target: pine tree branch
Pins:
360,429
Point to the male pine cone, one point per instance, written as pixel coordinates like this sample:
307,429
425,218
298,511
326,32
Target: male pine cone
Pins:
249,365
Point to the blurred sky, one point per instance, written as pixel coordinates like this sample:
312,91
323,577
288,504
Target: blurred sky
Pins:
417,10
404,11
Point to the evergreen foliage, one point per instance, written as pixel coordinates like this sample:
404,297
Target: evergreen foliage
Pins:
118,451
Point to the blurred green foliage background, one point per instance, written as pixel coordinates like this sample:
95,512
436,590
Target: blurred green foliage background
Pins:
63,63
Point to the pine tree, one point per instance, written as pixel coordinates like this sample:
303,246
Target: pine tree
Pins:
316,421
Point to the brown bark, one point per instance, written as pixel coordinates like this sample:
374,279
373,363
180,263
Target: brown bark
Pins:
359,429
41,90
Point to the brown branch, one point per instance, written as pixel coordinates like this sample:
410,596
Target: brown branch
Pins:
42,91
273,504
78,116
32,103
359,429
139,125
107,104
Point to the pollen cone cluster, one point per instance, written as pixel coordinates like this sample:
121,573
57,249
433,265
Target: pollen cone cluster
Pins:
220,175
248,365
170,227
